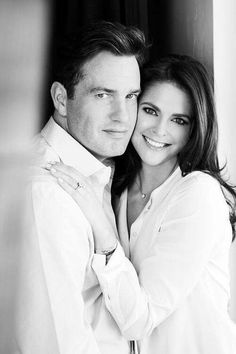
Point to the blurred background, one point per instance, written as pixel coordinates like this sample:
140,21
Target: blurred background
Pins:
205,29
170,26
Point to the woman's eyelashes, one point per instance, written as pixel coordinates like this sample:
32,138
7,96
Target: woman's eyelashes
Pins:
178,120
151,111
181,121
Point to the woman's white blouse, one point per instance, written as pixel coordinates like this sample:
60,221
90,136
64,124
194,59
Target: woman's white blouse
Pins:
173,297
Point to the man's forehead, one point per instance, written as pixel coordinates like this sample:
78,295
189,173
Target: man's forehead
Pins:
110,71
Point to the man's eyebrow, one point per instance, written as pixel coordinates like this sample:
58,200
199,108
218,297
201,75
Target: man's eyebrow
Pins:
137,91
100,88
105,89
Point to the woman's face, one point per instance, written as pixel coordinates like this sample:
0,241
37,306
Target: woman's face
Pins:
163,124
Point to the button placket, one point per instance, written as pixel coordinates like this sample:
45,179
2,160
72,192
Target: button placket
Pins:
148,206
134,232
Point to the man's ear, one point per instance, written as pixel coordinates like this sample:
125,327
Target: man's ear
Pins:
59,97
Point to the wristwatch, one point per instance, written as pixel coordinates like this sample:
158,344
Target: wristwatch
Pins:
108,251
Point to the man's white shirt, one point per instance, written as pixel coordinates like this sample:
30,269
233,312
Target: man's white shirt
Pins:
71,295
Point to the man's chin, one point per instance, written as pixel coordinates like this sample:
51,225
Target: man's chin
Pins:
119,152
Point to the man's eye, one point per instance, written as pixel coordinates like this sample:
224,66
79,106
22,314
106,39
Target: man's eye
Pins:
180,121
149,110
132,96
102,95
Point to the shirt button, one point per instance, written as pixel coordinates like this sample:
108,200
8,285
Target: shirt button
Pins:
134,234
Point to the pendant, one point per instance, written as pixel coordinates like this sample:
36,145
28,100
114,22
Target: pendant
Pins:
144,195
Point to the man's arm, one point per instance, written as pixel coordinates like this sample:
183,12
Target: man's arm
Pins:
61,246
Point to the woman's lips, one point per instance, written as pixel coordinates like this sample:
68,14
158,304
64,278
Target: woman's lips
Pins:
155,144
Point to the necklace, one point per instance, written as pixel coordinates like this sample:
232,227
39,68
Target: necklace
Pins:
143,195
139,185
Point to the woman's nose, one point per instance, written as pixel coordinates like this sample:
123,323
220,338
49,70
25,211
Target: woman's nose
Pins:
160,127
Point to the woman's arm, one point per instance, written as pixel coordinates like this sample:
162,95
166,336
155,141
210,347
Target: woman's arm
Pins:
174,260
84,195
175,256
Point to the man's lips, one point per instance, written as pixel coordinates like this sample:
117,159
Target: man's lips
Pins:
154,143
115,132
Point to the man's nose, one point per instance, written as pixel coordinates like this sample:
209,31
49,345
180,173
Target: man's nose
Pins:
120,111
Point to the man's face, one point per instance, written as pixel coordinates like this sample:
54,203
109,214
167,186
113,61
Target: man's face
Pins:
102,114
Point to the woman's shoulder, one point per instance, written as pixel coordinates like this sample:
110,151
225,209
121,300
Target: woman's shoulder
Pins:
200,178
200,185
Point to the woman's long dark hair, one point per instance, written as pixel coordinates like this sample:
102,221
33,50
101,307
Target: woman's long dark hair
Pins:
200,152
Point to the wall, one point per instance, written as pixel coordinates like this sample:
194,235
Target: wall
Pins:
225,86
189,29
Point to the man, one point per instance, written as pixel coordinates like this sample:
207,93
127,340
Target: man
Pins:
95,91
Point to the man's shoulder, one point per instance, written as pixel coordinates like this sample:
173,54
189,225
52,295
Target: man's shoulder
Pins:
42,153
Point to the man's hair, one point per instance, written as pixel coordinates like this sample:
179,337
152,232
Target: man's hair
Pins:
75,49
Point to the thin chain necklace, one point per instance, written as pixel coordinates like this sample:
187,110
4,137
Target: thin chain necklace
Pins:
139,185
143,195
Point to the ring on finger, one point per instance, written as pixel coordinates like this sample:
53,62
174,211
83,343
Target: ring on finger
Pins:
78,185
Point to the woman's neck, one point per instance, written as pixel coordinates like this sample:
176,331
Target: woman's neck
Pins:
148,179
151,177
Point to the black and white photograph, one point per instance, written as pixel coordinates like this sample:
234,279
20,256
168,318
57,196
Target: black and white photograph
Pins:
118,177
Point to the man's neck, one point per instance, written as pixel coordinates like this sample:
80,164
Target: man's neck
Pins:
62,121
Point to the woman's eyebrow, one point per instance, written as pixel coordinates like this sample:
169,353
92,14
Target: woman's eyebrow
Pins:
152,105
180,115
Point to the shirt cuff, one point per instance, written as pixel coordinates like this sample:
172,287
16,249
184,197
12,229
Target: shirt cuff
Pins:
99,261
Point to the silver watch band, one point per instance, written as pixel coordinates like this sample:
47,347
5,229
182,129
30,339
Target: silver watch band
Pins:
108,251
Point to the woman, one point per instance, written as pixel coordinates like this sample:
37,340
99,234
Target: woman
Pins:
174,216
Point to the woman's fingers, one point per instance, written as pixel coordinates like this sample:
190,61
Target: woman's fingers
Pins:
66,186
67,170
71,181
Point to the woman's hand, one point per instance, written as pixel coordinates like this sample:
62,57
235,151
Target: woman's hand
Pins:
81,190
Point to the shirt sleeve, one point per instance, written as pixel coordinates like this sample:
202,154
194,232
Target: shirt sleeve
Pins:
62,235
173,264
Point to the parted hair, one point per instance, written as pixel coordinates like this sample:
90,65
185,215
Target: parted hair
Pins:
200,152
75,49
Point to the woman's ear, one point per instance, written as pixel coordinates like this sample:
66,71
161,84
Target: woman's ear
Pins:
59,97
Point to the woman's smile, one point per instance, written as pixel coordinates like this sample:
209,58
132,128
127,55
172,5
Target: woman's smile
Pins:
154,143
163,124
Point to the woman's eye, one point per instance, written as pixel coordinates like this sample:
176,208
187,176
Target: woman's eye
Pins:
180,121
149,110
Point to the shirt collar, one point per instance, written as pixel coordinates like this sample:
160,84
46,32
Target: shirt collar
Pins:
168,183
71,152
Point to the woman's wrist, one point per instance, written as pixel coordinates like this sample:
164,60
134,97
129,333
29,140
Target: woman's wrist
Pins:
107,250
105,240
